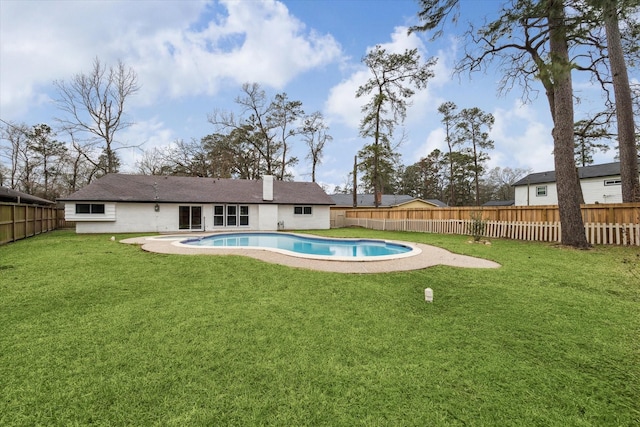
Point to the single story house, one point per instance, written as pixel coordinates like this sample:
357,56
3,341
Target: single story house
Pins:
344,202
121,203
389,201
600,184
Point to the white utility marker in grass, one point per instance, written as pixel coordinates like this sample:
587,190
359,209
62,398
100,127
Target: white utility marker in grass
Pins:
428,295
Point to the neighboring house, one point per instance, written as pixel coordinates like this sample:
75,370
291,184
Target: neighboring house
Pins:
600,184
146,203
13,196
392,201
344,202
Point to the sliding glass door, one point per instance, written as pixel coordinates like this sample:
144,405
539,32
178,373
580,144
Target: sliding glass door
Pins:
190,217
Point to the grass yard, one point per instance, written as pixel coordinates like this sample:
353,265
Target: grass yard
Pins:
97,332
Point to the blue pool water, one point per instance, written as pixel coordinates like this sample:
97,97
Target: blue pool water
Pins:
350,248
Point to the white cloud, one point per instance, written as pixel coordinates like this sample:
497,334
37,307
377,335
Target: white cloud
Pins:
255,42
143,136
401,41
435,140
55,40
177,49
521,139
342,104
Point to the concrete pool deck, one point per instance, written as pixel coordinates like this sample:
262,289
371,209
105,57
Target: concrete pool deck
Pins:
429,257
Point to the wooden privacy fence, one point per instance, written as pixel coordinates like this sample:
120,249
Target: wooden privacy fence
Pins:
610,224
612,213
18,220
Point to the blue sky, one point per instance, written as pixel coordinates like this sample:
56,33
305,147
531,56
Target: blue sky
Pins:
192,57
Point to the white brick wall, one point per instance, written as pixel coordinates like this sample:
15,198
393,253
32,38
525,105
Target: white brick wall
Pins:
142,218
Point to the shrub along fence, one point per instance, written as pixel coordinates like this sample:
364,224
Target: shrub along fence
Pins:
608,224
19,220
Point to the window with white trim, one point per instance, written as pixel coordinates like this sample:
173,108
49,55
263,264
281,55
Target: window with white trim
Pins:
230,215
218,216
541,191
244,215
608,182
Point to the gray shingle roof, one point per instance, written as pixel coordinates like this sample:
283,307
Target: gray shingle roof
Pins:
593,171
178,189
500,203
388,200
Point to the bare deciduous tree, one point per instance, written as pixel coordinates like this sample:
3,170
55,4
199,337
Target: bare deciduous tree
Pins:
153,162
314,131
265,125
15,135
498,182
94,105
284,117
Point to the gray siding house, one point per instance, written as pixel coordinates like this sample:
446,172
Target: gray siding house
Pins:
600,184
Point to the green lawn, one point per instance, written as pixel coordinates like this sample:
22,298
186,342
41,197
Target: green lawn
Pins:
97,332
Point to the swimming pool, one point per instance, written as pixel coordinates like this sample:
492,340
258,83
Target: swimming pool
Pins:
306,246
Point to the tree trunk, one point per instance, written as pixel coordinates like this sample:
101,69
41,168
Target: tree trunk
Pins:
376,180
624,107
568,186
476,178
355,181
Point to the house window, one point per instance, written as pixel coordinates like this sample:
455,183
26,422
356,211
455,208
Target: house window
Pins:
218,216
612,182
89,208
302,210
190,217
541,191
244,215
230,215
